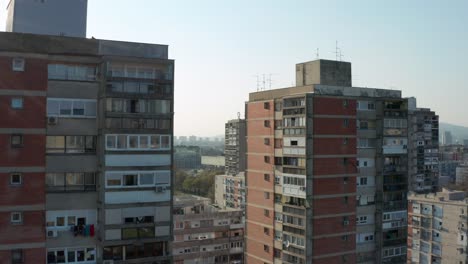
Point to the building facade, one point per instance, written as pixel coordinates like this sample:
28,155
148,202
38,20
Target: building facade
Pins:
437,227
462,174
424,151
87,136
234,146
230,191
327,171
48,17
205,234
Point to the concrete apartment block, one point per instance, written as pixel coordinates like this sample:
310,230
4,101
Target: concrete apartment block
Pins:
339,159
86,166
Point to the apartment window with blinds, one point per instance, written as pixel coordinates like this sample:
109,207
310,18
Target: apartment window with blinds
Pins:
71,144
73,108
71,72
138,142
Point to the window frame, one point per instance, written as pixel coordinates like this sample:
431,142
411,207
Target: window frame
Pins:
15,67
85,103
16,261
20,179
19,221
21,99
21,138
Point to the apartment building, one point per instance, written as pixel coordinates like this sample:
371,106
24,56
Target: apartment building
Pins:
230,191
47,17
437,227
234,146
424,151
327,170
87,150
205,234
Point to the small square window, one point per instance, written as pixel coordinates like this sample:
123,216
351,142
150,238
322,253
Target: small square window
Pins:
266,105
266,231
345,180
345,141
266,177
17,256
266,248
344,238
17,103
345,103
16,218
18,64
266,212
266,195
16,140
266,141
266,159
16,179
266,123
346,122
345,200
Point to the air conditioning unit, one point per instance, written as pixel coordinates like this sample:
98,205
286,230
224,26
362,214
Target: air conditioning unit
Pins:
52,233
52,120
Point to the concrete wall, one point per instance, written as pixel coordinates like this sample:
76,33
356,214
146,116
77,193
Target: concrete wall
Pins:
51,17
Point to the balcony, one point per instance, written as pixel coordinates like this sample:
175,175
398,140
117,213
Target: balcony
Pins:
394,205
395,169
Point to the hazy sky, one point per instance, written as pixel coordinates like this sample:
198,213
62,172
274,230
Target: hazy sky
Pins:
419,47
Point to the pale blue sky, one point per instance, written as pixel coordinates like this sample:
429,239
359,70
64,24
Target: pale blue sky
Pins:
419,47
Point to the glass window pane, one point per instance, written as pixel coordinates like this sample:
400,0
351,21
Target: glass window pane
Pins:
129,233
75,144
53,107
146,179
144,144
90,252
130,180
155,142
65,107
116,87
111,141
131,87
146,232
165,142
78,108
121,141
60,221
75,178
132,141
55,144
90,144
59,179
71,220
80,255
50,179
71,256
114,179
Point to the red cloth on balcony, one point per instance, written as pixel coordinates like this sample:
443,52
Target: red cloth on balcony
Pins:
91,230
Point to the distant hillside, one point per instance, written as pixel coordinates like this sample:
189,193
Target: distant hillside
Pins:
458,132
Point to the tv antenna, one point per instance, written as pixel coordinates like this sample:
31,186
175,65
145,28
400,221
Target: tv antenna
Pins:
317,54
338,54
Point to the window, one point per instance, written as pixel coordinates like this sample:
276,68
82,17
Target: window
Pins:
70,144
16,179
117,179
266,141
17,256
266,231
266,248
266,195
71,72
294,142
16,141
345,122
266,212
266,123
266,177
363,181
345,141
16,218
130,180
345,103
277,180
266,159
138,142
345,180
71,181
345,199
266,105
18,64
344,238
74,108
17,103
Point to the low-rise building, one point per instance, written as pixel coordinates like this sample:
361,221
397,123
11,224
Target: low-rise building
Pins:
206,234
437,227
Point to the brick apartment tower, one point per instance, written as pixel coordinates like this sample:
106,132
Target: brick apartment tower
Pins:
86,150
317,186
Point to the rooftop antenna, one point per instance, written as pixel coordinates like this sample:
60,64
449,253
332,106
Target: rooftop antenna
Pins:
270,80
238,115
317,54
336,50
340,56
258,82
263,82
